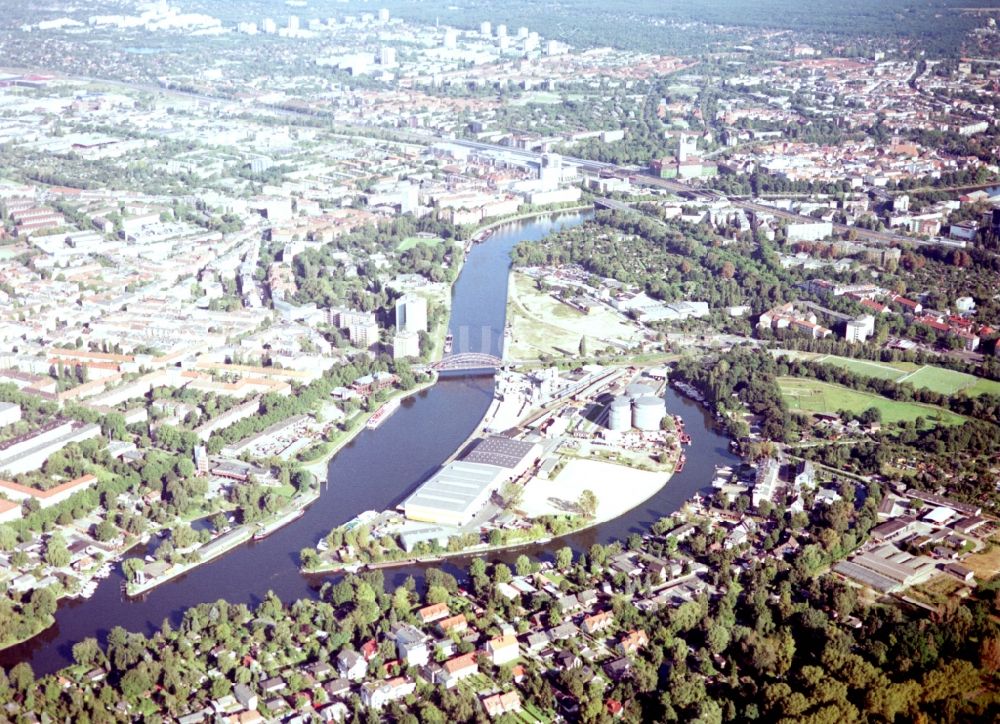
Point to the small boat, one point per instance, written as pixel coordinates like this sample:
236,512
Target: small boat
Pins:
449,342
679,467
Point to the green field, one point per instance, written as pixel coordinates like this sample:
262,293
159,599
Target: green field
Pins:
813,396
412,241
927,377
880,370
540,97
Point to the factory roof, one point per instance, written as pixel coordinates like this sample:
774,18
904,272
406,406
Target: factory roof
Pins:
457,486
503,452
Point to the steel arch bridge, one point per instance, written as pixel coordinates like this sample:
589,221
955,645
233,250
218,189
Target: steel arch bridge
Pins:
468,361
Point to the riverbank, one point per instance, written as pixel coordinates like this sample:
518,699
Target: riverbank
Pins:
613,501
527,215
223,544
39,628
318,467
227,541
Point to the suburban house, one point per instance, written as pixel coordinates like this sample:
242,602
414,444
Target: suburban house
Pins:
502,650
459,668
453,624
632,642
598,622
376,694
500,704
351,665
434,612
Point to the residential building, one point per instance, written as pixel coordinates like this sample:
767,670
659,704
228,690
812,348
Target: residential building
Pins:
411,313
411,644
376,694
459,668
502,650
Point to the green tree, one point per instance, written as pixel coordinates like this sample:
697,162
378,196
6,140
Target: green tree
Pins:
56,552
587,503
564,558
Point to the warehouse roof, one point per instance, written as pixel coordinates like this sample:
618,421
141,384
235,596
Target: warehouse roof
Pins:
500,451
457,486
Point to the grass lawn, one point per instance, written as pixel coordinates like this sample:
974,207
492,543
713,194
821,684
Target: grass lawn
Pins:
879,370
926,377
936,379
813,396
985,564
541,97
984,387
530,713
937,590
286,491
412,241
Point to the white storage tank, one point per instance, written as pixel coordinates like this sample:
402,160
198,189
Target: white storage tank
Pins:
620,414
648,412
637,390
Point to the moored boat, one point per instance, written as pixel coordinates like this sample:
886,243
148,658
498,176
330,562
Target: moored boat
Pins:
382,413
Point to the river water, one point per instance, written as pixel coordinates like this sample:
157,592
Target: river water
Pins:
374,472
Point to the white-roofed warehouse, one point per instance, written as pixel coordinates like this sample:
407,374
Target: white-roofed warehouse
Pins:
454,494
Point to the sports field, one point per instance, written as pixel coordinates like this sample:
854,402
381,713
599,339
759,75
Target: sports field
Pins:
927,377
813,396
411,241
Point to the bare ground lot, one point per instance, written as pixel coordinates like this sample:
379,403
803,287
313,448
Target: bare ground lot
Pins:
544,325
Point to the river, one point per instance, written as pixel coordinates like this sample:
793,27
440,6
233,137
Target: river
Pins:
374,472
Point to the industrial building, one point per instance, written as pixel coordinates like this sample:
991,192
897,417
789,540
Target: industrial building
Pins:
460,489
620,414
454,494
505,452
639,407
